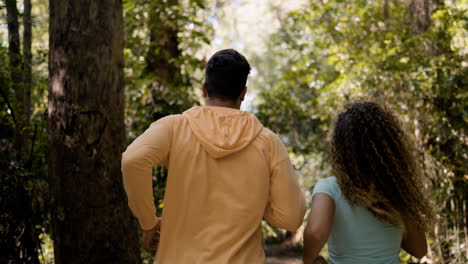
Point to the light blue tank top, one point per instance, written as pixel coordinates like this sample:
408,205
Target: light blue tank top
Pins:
357,236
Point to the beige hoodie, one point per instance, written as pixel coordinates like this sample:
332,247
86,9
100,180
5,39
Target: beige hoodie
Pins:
226,172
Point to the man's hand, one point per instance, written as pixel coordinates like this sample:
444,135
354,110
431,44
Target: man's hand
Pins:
151,237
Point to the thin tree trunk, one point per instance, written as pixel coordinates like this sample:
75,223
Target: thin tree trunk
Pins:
22,246
163,52
27,54
15,73
164,43
439,246
91,219
420,12
465,228
385,9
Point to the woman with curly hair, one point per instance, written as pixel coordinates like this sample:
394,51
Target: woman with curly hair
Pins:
374,204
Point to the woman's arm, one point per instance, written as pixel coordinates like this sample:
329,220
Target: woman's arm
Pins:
414,240
319,226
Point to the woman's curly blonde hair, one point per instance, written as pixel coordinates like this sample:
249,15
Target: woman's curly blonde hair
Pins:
373,161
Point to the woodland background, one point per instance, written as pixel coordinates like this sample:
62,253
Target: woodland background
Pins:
81,79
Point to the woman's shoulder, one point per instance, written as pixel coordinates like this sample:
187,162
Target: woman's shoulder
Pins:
331,181
328,186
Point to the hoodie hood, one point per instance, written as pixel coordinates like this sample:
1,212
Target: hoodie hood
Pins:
222,131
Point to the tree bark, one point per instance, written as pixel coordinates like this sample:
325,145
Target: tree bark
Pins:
385,10
420,12
91,219
14,55
27,54
163,52
164,43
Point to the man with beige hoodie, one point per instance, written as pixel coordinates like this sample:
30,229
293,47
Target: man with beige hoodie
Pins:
226,173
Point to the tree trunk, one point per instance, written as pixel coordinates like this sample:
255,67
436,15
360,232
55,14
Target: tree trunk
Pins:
164,43
385,10
163,52
21,246
27,54
420,12
15,73
91,220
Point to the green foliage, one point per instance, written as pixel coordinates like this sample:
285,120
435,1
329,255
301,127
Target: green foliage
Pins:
152,92
342,50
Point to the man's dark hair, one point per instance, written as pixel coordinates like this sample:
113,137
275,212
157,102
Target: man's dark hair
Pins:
226,74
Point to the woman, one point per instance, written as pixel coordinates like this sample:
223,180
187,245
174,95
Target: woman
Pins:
374,205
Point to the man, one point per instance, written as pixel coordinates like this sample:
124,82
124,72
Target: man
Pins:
226,172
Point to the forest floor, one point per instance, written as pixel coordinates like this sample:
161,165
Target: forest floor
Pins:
278,254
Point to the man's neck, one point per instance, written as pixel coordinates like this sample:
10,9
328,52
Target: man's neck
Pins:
222,103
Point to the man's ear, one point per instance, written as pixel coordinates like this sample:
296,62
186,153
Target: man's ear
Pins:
205,91
242,95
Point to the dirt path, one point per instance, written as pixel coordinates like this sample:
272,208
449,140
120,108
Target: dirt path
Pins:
283,260
277,254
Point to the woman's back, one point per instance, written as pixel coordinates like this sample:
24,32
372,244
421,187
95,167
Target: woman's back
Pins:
356,235
375,205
